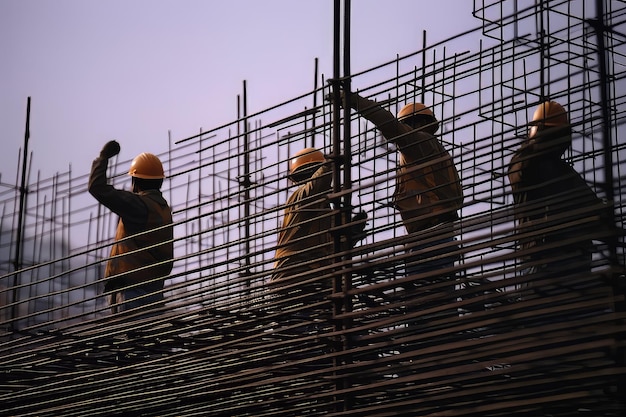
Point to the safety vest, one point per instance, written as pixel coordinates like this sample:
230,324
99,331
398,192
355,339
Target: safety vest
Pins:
147,264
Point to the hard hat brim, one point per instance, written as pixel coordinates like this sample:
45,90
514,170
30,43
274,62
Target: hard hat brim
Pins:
306,166
147,177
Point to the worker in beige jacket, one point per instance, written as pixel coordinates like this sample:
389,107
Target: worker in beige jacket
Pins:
428,191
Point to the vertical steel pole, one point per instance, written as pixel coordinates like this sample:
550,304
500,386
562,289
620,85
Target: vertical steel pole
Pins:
17,263
336,172
342,181
315,87
542,51
346,205
600,28
246,183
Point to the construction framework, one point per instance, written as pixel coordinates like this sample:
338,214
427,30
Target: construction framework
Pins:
502,342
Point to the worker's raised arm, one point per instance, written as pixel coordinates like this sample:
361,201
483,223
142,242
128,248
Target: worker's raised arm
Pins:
382,118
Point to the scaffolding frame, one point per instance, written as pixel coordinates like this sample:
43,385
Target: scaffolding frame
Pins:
226,344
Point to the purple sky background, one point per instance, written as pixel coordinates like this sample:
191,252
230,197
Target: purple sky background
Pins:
132,70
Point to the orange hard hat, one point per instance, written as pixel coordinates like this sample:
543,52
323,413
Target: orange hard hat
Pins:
146,166
414,109
306,158
549,114
417,109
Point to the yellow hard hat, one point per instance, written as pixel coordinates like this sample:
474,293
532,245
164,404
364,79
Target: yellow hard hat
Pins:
306,158
146,166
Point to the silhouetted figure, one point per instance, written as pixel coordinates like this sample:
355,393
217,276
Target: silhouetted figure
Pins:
305,242
428,193
556,212
140,262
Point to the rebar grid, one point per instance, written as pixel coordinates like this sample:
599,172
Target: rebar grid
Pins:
384,342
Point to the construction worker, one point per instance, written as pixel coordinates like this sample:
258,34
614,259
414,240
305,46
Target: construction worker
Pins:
428,190
136,279
305,243
554,207
307,218
305,234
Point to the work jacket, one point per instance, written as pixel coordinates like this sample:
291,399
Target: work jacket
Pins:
555,210
428,188
151,262
145,222
304,237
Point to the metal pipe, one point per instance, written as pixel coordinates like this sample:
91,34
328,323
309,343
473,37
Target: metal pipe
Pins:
346,205
315,87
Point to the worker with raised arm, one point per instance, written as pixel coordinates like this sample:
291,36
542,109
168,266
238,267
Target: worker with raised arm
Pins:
428,191
142,255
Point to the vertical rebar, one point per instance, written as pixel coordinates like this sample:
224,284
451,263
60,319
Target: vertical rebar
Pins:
600,28
346,205
315,87
201,145
246,184
542,51
336,172
423,86
17,263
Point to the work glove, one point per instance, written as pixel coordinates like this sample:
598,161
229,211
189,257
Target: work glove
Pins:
329,97
357,226
340,158
111,149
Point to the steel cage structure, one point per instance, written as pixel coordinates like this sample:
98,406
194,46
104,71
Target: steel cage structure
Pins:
370,329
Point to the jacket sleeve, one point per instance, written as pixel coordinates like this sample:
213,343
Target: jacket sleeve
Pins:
129,206
383,119
308,194
321,181
408,140
426,168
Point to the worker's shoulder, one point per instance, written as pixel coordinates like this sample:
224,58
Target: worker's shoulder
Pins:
153,195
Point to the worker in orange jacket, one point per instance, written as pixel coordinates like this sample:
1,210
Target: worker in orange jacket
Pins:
305,242
142,256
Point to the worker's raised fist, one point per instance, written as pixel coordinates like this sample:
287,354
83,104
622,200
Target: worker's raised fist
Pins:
111,149
330,97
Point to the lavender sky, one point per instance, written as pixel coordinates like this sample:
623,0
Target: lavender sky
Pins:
132,70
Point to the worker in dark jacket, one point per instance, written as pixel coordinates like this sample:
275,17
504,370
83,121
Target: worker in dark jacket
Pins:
428,190
142,256
556,211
